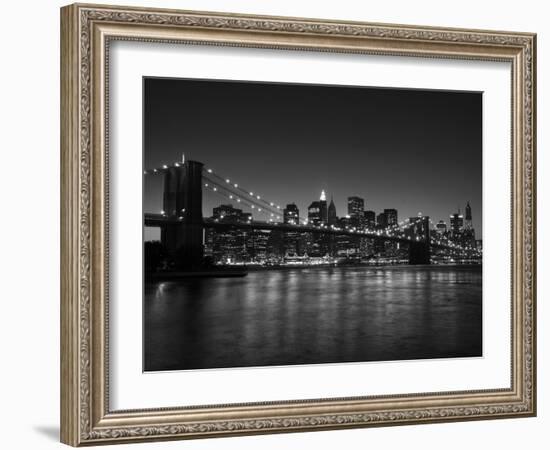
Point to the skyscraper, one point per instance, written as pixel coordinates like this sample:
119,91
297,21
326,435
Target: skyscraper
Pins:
345,245
370,219
468,221
323,210
314,213
457,224
291,214
229,246
469,235
391,217
291,239
317,215
381,221
332,218
257,245
356,210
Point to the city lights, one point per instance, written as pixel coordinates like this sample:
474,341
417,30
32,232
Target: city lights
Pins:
457,240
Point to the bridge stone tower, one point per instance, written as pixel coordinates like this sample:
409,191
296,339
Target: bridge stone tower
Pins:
419,251
182,202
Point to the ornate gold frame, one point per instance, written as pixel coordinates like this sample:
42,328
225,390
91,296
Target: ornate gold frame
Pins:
86,31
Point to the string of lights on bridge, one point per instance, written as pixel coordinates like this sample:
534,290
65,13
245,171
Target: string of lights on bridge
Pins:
231,190
223,192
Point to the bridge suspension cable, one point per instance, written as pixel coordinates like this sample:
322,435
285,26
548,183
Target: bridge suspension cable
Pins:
235,192
211,174
226,193
237,196
227,188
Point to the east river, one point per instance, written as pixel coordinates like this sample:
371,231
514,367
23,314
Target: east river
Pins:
312,316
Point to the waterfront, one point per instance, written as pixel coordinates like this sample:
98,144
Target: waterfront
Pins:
314,315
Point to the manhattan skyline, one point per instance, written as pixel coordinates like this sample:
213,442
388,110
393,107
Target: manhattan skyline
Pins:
412,150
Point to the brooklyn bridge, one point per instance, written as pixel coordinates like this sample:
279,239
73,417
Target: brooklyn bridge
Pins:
182,223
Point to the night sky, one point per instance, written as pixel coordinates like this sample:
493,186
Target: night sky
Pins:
412,150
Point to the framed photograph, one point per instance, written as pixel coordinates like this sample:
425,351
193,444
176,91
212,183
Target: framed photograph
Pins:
273,224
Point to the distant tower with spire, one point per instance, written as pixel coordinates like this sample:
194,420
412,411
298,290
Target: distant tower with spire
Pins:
469,238
332,218
323,207
468,218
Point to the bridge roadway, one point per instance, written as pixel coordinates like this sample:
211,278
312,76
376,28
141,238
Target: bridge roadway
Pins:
159,220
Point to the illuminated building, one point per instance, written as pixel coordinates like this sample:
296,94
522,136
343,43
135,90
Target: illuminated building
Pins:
332,218
468,221
370,220
346,245
229,246
469,234
441,227
391,217
323,210
457,224
292,239
314,213
256,242
381,221
291,214
356,210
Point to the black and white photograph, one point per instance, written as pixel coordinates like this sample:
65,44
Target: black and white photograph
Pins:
291,224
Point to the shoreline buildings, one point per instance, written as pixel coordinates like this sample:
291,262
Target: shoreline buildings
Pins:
234,245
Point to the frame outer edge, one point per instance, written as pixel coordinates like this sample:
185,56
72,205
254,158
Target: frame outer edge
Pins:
80,411
533,236
69,429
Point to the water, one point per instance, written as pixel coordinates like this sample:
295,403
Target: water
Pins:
311,316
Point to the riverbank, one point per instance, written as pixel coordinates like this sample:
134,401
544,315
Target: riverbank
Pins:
242,271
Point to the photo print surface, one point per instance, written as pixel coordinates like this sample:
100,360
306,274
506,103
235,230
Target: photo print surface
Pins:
294,224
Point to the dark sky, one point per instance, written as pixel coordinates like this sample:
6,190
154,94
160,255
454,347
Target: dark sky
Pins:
412,150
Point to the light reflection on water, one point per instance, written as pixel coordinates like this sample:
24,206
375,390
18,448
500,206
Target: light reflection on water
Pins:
309,316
